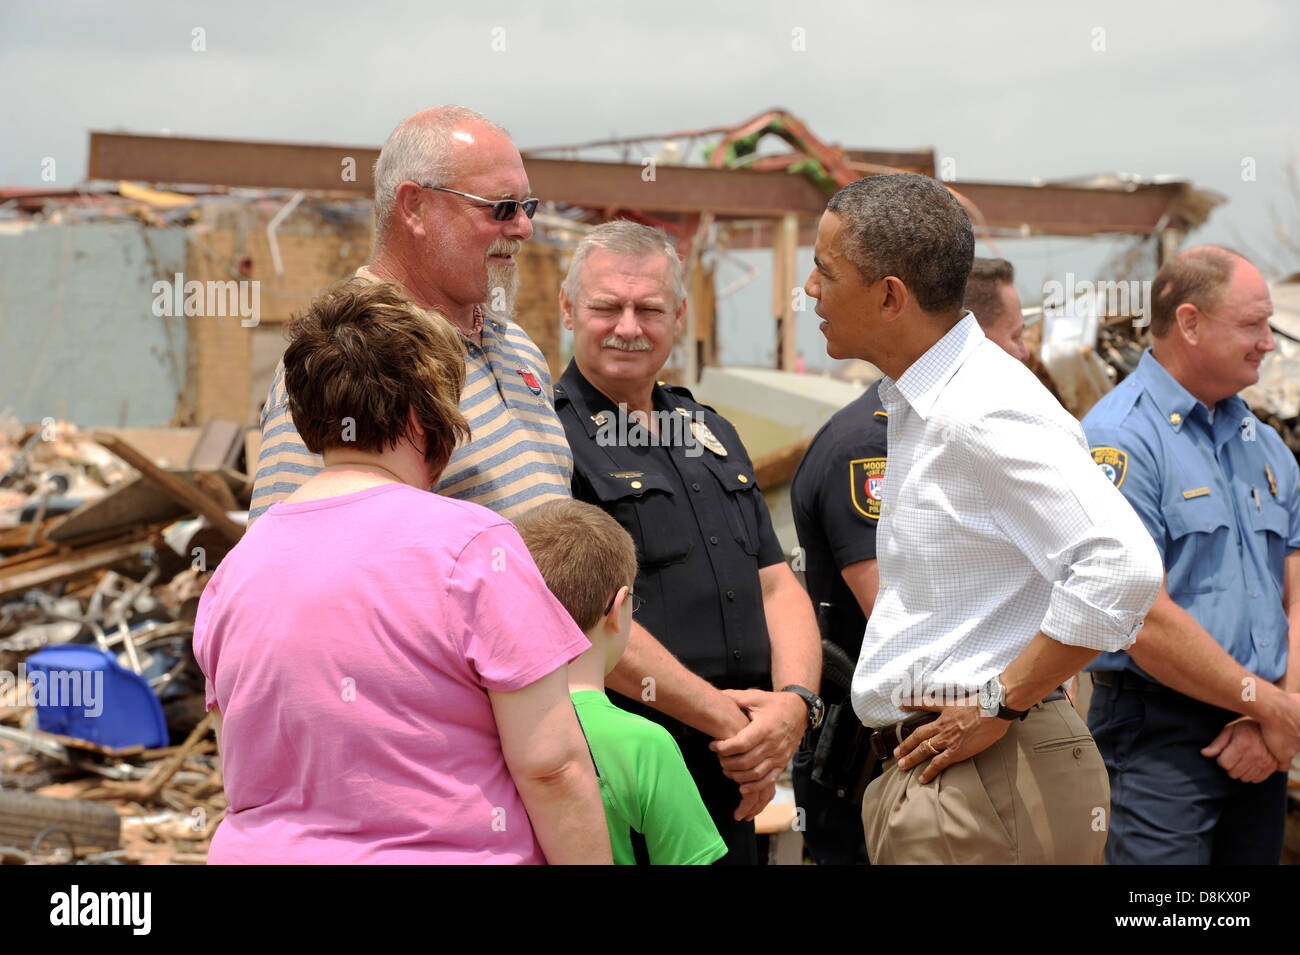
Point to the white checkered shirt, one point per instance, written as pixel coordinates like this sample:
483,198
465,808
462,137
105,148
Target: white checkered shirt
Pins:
995,523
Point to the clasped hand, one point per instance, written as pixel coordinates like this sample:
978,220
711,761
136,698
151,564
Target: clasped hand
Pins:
1241,751
756,755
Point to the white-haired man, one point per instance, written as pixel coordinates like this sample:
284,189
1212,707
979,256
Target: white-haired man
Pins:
452,207
734,622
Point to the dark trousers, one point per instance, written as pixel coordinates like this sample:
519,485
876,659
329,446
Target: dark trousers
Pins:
832,825
721,796
1169,804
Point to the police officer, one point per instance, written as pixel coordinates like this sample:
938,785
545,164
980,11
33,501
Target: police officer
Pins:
1198,722
835,496
733,620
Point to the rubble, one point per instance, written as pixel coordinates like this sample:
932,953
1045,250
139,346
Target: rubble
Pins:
1094,349
105,547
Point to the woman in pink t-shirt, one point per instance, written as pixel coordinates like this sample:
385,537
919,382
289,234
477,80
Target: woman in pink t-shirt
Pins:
387,665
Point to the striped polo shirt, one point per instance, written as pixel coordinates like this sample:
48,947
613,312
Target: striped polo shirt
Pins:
517,456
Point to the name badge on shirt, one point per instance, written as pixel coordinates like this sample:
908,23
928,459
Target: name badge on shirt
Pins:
1196,492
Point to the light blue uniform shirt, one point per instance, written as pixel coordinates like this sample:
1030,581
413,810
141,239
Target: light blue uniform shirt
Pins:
1221,500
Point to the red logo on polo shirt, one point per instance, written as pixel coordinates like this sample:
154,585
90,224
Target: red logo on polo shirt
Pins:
531,381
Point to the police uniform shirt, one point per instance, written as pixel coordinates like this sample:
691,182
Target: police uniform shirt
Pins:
1220,498
701,526
835,495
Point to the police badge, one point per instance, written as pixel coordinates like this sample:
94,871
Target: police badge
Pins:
707,438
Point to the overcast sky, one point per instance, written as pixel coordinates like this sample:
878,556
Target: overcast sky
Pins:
1009,91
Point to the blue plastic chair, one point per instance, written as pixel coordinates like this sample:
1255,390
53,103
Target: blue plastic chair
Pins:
127,712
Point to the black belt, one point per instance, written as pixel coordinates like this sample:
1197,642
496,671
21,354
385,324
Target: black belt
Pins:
884,740
1127,680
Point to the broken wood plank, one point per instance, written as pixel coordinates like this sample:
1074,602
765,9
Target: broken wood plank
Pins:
162,752
169,447
173,486
149,787
11,538
217,489
91,559
132,502
25,816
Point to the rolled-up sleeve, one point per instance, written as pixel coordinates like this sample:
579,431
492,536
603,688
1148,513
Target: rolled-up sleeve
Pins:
1049,497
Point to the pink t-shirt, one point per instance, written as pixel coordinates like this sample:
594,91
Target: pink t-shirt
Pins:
350,643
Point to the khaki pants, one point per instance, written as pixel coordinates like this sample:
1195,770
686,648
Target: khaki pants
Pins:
1039,795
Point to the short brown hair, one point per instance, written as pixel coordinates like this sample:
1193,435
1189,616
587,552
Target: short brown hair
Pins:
983,289
1197,276
583,553
365,353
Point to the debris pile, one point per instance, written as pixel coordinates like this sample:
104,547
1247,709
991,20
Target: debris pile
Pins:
107,753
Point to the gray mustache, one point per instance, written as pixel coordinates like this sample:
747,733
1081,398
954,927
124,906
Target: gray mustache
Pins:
639,344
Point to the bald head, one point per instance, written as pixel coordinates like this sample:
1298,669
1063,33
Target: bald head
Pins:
423,149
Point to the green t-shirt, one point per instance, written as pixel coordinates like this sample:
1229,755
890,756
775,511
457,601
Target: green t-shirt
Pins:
646,787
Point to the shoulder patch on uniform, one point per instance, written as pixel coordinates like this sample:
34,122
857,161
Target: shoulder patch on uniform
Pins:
866,478
1113,463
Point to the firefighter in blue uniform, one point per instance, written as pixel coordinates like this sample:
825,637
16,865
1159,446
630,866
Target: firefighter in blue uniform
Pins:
1198,722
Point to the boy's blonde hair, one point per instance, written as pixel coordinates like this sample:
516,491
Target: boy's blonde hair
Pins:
584,556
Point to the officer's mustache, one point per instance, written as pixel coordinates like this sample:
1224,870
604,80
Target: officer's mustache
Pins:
622,344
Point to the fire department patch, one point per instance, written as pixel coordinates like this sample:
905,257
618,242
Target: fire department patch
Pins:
1113,463
866,482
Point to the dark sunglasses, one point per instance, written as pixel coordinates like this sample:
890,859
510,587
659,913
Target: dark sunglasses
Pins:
503,210
637,602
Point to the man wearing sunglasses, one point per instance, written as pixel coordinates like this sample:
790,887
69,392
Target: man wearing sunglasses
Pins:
452,207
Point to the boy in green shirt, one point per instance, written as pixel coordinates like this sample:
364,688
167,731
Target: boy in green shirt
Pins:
654,812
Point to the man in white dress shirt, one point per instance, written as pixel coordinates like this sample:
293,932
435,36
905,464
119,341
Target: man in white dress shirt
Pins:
1007,560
